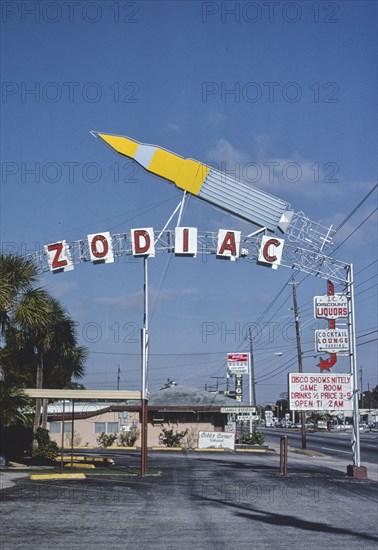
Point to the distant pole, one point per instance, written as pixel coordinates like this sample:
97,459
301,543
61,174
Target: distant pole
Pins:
118,377
299,354
361,389
252,383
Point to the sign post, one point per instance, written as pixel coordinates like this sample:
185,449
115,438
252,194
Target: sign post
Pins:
355,470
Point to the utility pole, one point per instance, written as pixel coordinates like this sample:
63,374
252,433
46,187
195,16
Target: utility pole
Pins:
361,389
252,382
118,376
299,354
217,378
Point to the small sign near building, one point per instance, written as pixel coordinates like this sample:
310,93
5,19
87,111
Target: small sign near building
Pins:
320,392
217,440
238,363
238,410
332,340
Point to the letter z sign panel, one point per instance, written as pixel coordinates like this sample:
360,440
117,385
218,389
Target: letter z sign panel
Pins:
59,256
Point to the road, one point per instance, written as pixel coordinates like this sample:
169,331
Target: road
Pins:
201,501
336,444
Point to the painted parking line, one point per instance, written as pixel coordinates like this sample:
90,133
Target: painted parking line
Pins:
335,450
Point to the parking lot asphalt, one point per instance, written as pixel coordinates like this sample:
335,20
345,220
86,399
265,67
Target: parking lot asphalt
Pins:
199,501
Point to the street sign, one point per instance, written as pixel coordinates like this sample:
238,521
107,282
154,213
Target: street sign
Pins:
238,363
320,392
330,307
332,340
238,410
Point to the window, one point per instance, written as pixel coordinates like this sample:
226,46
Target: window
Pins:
106,427
112,427
68,427
55,427
100,427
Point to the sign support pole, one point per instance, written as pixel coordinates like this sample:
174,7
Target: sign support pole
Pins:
144,339
353,368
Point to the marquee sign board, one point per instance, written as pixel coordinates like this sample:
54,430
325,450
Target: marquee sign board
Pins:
238,363
332,340
185,243
330,307
320,392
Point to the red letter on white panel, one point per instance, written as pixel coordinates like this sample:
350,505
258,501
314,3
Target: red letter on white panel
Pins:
100,247
228,244
186,241
270,252
142,241
59,256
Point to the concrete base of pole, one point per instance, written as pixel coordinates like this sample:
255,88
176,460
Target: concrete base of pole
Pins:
356,471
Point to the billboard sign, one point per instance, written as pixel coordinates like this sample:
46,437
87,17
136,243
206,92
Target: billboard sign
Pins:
216,440
238,363
320,392
330,307
332,340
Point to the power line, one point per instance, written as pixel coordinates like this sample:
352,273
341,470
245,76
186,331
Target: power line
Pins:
356,208
356,229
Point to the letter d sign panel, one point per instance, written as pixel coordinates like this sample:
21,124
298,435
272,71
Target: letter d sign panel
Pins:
270,252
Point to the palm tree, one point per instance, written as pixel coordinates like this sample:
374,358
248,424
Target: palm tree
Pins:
19,301
38,333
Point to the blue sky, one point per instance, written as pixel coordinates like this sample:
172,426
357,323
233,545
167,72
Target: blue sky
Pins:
227,83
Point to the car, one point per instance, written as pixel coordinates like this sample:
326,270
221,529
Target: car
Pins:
322,425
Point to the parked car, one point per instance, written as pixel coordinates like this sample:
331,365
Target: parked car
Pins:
322,425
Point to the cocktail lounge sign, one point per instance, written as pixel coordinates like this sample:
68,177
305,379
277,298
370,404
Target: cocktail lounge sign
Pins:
142,240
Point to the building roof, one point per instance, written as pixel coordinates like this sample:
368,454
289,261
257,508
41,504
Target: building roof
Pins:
175,397
188,396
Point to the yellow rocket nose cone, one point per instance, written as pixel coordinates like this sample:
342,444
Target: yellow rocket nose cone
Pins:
122,145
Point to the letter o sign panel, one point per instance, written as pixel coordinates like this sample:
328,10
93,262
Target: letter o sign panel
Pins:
100,248
270,252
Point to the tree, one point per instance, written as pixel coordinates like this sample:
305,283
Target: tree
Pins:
39,345
50,351
15,406
282,405
20,302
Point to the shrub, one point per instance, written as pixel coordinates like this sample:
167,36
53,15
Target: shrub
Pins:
47,449
77,439
171,439
256,438
106,440
191,439
128,439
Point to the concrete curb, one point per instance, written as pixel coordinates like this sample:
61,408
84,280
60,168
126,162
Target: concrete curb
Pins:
42,477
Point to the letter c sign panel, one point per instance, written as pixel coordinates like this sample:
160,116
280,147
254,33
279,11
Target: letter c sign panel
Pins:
270,252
